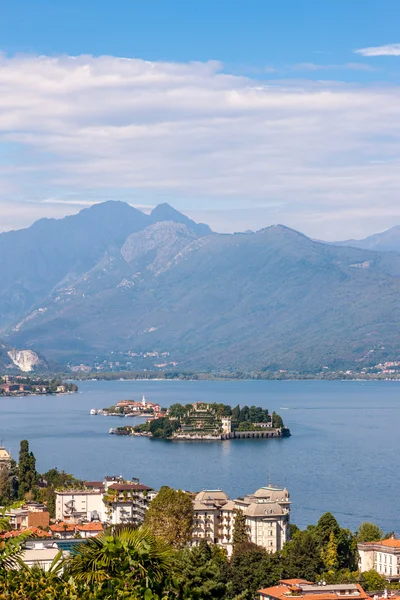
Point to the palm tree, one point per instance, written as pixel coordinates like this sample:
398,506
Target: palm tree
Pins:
131,558
10,551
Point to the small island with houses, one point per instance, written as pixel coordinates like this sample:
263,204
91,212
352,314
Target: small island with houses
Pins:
199,421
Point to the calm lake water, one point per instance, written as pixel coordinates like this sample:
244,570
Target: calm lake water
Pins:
343,455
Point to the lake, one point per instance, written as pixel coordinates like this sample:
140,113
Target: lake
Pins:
342,457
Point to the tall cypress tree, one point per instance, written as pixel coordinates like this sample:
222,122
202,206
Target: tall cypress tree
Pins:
27,475
240,531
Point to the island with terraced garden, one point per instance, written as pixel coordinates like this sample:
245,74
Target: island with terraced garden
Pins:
203,421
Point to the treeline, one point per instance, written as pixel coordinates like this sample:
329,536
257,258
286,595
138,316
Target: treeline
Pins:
156,562
22,481
267,375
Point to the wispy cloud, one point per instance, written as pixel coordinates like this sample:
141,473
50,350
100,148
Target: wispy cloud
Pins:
310,66
386,50
85,129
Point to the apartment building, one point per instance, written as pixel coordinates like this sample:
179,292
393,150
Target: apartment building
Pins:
112,501
126,502
267,514
383,557
31,514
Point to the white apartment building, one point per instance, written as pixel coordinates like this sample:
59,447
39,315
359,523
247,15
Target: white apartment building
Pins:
113,501
383,557
267,513
79,505
126,503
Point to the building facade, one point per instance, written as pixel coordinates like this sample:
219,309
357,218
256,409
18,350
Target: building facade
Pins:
267,514
383,557
112,501
5,458
31,514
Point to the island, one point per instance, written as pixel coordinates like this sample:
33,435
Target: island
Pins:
20,385
201,421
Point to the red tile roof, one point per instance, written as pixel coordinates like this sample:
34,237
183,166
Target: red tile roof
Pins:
390,543
90,527
62,527
283,592
34,531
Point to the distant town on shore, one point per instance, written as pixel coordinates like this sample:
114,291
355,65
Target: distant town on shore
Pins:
23,385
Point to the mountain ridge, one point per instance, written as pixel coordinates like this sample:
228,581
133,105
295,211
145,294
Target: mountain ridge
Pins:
164,294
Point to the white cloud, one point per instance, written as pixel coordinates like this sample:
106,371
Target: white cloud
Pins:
75,131
386,50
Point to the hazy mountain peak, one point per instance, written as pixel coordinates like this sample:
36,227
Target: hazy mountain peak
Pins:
385,241
282,231
165,212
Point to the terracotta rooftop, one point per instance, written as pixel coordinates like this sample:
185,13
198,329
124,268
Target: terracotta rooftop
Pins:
309,591
90,527
389,543
34,531
62,527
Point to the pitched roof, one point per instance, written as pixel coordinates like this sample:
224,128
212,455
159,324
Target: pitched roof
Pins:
34,531
61,527
389,543
95,526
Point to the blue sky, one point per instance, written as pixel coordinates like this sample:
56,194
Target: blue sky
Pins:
240,113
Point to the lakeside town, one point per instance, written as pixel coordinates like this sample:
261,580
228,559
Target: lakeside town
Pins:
22,385
57,517
197,421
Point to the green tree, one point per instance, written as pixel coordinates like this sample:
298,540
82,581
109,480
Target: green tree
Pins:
277,421
8,484
10,549
372,581
36,584
27,475
301,557
198,572
177,410
236,413
326,526
330,554
244,414
240,531
170,516
130,560
369,532
252,568
347,551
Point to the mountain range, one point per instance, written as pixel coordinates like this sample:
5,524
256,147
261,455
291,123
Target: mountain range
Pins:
114,285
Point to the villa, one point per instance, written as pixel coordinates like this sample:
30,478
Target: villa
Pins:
383,557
